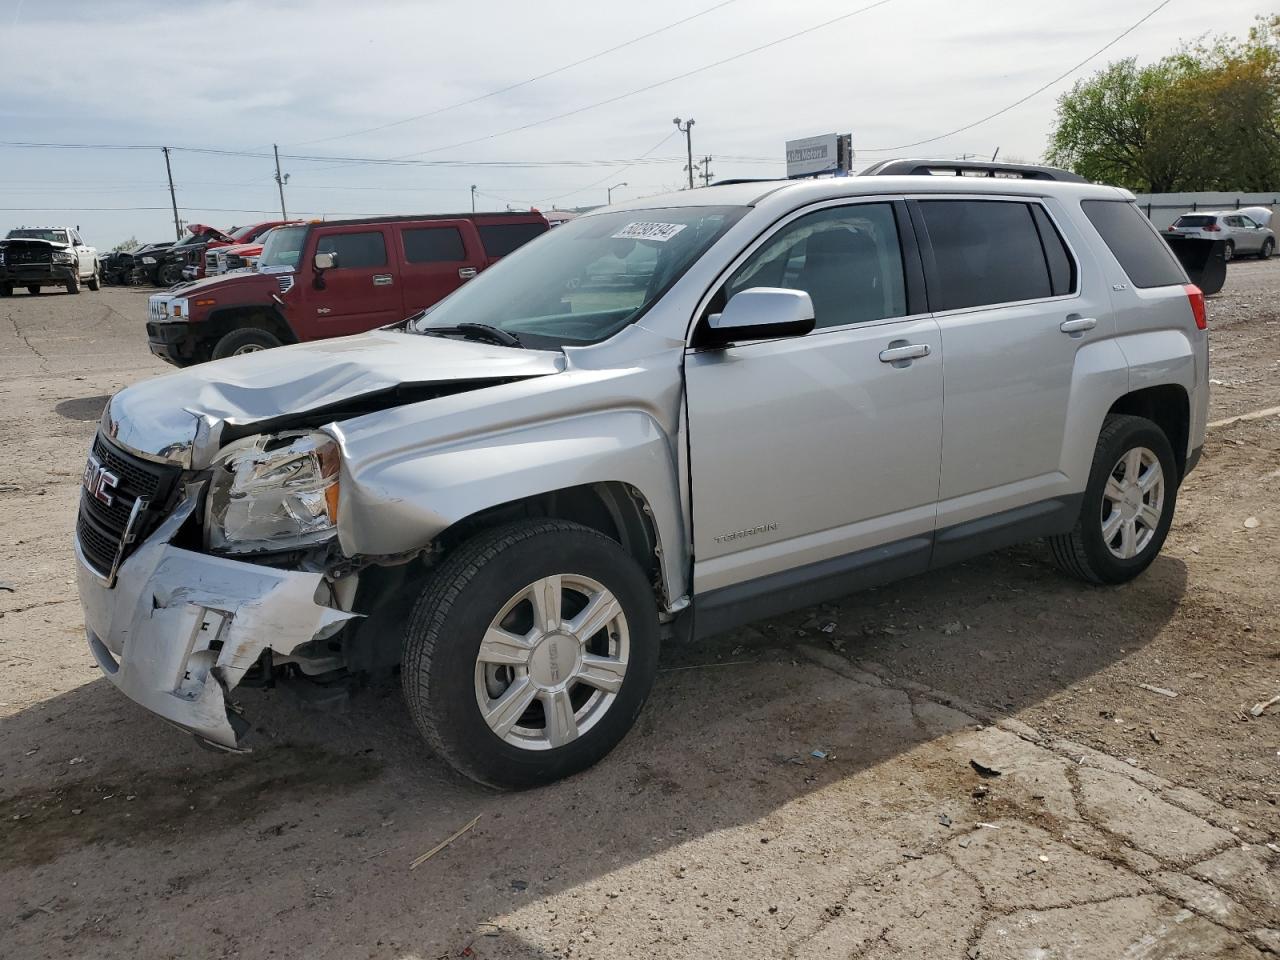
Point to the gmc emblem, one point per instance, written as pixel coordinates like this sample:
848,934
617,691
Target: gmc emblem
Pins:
99,481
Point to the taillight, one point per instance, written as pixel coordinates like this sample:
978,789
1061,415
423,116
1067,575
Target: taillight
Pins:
1196,298
1211,228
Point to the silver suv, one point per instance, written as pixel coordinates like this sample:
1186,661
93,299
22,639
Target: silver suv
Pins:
1240,233
655,422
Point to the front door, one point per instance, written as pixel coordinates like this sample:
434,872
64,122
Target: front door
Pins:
815,456
360,293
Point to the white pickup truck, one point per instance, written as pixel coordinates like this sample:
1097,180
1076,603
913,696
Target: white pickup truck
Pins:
35,257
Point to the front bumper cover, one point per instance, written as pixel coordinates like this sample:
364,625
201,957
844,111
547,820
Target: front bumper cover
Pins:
179,629
30,274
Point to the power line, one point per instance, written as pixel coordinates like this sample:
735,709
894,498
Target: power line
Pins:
1034,93
522,83
611,174
656,84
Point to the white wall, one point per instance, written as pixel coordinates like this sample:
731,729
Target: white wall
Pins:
1164,208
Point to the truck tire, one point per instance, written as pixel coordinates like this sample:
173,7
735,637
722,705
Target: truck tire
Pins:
6,289
169,274
1127,507
34,289
95,280
245,340
530,652
73,285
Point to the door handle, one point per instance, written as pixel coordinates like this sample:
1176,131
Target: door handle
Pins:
1077,324
382,279
466,273
900,351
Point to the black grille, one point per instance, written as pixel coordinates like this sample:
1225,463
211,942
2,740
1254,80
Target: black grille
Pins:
29,253
101,526
234,261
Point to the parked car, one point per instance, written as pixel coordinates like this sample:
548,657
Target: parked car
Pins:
126,267
197,260
223,258
36,257
1240,233
799,389
378,271
164,267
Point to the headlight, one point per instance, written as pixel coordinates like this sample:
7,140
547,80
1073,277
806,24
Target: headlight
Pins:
276,492
64,256
148,260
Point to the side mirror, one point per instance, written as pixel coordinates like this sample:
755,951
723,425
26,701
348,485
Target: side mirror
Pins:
760,313
326,261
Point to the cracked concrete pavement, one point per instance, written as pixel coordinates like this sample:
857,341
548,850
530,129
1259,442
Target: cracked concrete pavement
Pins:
1120,823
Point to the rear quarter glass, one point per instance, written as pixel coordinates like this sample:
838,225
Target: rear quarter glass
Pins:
1129,235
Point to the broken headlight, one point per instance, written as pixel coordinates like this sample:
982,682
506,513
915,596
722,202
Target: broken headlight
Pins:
274,492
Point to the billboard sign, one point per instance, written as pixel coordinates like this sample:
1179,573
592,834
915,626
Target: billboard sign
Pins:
812,156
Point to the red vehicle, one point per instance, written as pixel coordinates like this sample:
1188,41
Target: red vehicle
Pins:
194,266
329,279
221,258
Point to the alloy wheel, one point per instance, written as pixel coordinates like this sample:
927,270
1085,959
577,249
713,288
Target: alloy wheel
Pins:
552,662
1132,503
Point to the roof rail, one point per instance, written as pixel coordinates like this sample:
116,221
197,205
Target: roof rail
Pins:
969,168
732,180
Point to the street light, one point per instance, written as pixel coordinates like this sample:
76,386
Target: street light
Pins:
609,190
687,130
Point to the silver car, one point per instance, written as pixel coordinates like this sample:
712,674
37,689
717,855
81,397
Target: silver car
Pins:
1242,234
656,422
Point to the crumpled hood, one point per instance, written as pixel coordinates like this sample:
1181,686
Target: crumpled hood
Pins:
183,416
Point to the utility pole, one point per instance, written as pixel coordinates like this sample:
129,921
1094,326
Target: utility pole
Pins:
994,155
280,182
473,198
609,190
177,224
687,130
706,171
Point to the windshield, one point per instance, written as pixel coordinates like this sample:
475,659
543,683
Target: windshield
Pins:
283,247
56,236
583,282
244,234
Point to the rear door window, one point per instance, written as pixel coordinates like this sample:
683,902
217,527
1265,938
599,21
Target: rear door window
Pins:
1195,222
434,245
1131,238
499,239
355,250
988,252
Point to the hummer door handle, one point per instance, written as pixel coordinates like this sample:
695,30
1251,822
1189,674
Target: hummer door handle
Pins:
466,273
382,279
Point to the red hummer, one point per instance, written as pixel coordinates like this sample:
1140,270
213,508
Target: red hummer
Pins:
329,279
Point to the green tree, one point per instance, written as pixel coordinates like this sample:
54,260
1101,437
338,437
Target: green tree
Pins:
1204,118
125,245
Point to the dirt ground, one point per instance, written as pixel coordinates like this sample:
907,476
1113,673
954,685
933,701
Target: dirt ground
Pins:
1102,818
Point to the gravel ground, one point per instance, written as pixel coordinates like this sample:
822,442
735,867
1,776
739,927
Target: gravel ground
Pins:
1122,821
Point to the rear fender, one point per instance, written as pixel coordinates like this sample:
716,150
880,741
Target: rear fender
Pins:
1170,357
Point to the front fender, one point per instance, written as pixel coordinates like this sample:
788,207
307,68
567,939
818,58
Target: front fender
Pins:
400,503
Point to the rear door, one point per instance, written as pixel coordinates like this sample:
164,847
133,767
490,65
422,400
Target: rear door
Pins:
363,291
501,237
1014,311
436,258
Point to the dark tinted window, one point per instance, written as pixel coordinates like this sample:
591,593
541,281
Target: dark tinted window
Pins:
1194,221
986,251
499,239
1129,235
355,249
434,245
847,259
1062,269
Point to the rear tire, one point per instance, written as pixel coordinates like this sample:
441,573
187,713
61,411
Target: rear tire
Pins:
6,289
247,340
1268,248
34,290
1127,507
509,584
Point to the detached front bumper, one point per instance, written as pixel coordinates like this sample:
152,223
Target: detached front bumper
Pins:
179,629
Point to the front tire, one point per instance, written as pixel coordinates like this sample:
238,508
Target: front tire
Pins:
34,290
1229,251
95,281
73,285
247,340
169,274
1128,504
6,289
530,653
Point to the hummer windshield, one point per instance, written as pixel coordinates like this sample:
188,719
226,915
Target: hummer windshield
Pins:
283,247
583,282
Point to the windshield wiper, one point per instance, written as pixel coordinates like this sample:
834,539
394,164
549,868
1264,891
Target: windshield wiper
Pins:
478,331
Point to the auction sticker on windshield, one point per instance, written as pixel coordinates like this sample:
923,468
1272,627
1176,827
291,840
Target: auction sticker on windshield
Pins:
648,230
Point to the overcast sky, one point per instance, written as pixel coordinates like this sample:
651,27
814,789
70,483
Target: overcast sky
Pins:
238,75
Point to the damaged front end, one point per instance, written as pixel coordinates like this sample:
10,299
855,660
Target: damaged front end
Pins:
178,629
